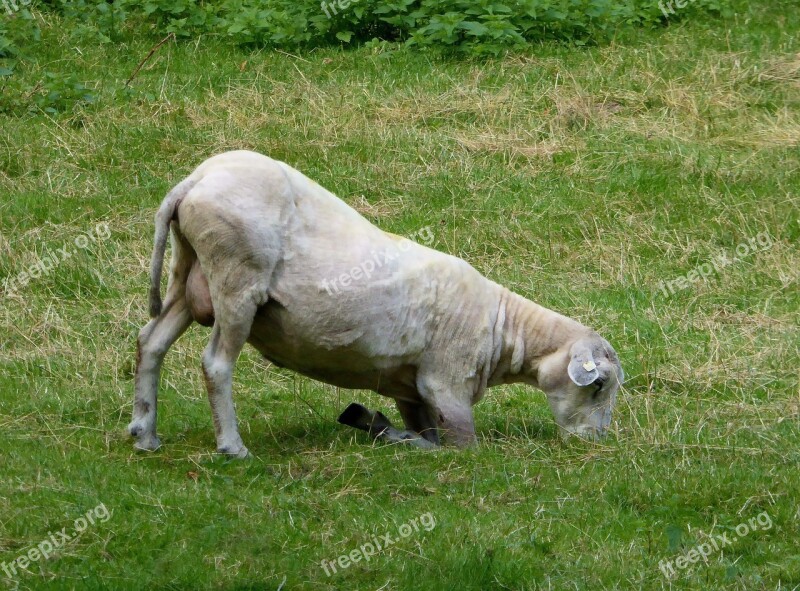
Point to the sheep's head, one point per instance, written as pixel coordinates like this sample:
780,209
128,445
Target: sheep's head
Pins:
581,384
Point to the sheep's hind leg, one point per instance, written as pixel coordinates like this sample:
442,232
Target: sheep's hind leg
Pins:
231,330
154,341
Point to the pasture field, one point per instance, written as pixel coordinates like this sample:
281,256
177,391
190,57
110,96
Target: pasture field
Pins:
648,187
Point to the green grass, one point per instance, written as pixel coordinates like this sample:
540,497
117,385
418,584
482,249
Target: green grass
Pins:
580,178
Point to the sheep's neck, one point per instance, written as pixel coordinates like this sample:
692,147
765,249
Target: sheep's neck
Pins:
529,332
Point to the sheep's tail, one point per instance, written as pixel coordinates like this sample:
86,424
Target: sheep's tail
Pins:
166,213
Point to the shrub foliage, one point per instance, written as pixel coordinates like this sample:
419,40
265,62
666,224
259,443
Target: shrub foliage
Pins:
472,26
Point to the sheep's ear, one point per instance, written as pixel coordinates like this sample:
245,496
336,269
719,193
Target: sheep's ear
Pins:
582,369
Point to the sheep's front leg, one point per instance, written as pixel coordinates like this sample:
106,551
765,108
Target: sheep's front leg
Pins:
420,419
457,423
451,409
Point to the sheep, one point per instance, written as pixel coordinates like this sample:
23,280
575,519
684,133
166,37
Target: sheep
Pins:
268,257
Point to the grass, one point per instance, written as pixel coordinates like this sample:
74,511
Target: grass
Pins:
581,178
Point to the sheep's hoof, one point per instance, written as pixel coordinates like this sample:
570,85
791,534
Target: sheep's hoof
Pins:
233,451
379,427
147,443
409,438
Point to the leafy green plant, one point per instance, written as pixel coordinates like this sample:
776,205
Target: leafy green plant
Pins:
61,93
53,94
91,20
472,26
16,29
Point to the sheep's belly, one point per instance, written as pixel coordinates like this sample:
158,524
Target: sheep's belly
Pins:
338,361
